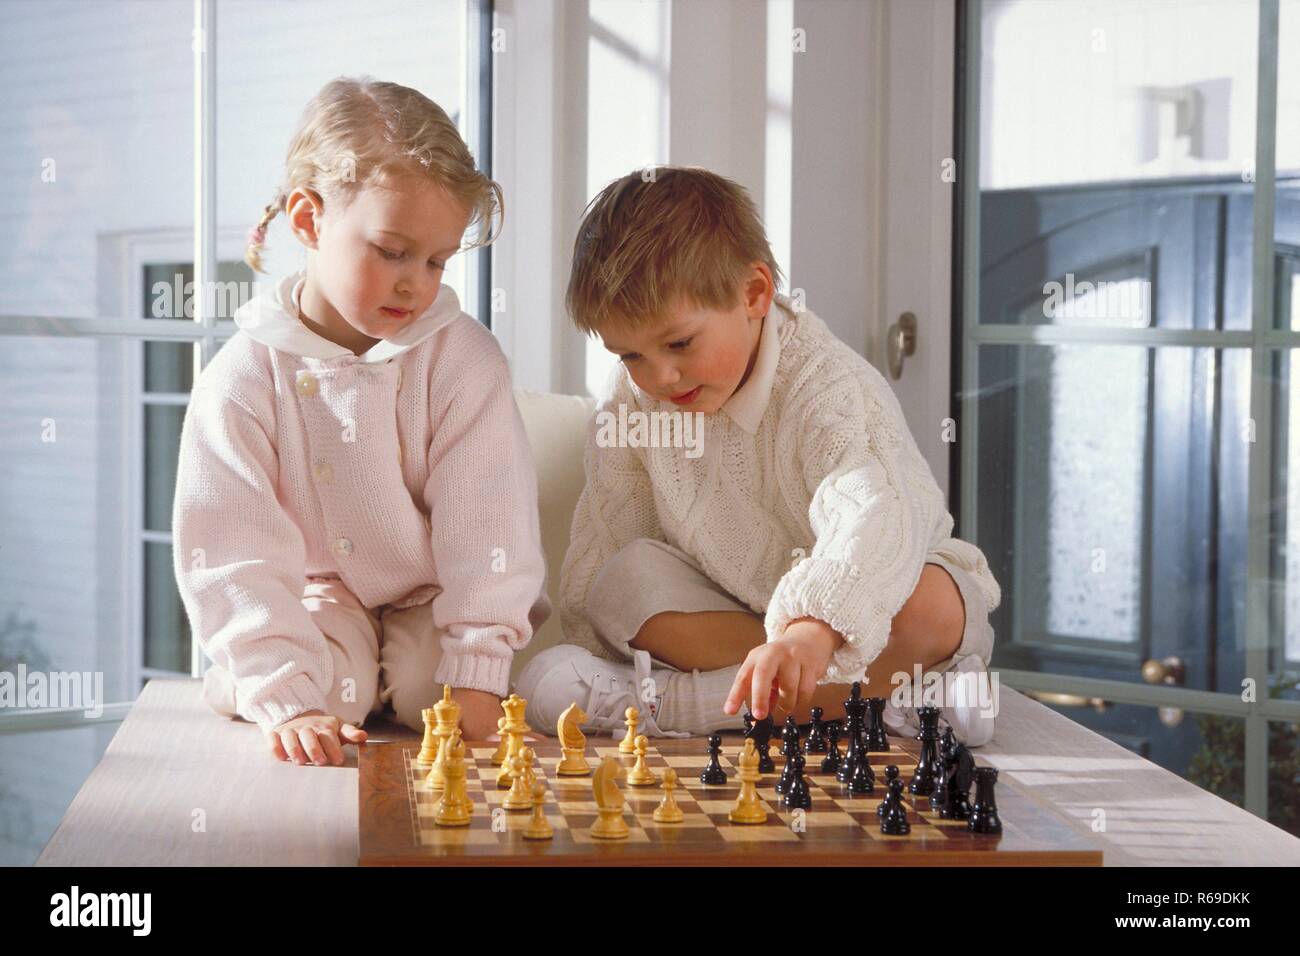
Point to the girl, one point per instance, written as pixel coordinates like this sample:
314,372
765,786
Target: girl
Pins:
355,517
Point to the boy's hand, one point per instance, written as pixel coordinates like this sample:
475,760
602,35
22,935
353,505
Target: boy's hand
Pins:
314,737
779,677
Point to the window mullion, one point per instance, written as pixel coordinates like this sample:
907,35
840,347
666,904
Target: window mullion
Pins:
205,199
1259,510
968,211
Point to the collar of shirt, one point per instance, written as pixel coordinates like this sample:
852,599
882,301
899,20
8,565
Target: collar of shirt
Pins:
747,406
274,318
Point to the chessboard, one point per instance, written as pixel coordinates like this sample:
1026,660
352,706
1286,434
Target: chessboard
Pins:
397,810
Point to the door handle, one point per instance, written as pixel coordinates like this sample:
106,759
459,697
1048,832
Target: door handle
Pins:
1068,700
1170,671
901,342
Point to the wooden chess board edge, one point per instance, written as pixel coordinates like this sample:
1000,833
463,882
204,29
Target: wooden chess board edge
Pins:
386,837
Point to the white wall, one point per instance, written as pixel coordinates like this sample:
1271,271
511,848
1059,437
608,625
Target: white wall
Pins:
710,82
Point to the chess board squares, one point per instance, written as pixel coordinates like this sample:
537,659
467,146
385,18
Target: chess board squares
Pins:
694,761
458,836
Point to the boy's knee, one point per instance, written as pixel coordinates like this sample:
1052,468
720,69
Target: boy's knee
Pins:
932,622
975,628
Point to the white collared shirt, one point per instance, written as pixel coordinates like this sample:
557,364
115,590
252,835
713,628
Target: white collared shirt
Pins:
747,405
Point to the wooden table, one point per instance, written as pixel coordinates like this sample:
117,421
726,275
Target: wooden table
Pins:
173,757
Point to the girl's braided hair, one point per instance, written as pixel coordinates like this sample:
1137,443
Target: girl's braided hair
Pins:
361,131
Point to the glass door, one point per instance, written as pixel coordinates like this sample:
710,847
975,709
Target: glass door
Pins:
1128,241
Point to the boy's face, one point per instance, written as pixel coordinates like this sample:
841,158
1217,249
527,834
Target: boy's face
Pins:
695,357
377,263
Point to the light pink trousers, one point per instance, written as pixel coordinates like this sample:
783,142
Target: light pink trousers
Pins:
385,656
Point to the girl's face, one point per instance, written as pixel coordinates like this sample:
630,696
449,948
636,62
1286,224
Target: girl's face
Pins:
696,358
376,264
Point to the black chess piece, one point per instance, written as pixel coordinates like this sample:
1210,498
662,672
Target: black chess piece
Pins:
939,795
891,774
877,740
944,772
760,731
984,814
854,708
713,773
816,742
831,762
947,742
789,737
789,750
797,795
922,784
864,778
961,771
894,822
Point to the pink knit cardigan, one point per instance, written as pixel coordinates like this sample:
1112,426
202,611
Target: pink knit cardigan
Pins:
405,472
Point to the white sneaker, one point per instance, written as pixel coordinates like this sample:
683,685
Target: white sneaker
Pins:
568,674
972,724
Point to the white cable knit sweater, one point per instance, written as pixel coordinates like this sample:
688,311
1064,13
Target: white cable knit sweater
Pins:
810,497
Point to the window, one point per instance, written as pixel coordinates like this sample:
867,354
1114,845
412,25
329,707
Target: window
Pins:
1131,225
97,365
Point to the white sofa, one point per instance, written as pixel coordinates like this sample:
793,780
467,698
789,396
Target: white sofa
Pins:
557,430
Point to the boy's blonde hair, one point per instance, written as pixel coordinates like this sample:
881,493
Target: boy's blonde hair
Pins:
662,236
362,131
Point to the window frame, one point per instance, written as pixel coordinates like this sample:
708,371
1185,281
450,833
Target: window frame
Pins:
126,256
1262,339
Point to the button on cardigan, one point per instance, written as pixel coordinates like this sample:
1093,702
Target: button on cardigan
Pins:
404,472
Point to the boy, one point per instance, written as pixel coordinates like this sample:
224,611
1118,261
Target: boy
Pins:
800,543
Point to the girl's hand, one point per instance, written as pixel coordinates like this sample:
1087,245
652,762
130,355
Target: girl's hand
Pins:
314,737
779,677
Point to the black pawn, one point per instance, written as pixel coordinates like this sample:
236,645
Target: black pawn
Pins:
797,795
894,822
789,750
984,815
927,764
713,773
891,774
816,742
863,779
877,740
831,762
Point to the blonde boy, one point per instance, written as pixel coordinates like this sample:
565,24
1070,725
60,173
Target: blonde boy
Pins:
798,544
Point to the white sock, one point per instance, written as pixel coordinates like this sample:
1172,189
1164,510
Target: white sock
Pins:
693,702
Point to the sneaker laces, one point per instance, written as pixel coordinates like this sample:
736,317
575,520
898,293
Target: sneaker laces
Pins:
607,703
